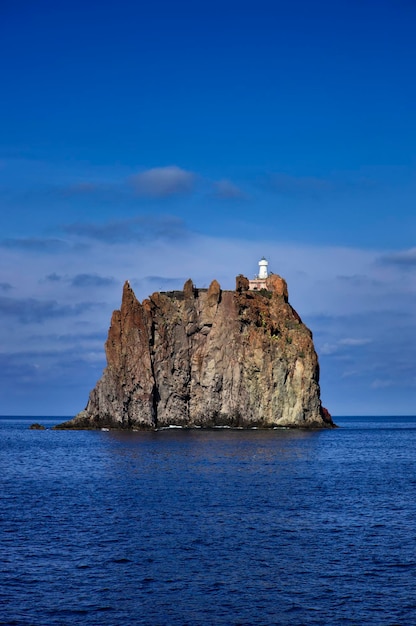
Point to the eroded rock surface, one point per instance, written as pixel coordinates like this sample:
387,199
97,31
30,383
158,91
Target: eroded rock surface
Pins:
207,358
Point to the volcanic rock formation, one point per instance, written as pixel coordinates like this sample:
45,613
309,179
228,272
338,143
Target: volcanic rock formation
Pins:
207,357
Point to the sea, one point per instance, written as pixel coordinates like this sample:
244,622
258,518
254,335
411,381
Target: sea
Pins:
223,527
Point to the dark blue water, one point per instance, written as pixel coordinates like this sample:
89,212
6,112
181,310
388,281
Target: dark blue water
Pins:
225,527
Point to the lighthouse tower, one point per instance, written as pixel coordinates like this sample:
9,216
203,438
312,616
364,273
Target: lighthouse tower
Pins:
259,281
263,269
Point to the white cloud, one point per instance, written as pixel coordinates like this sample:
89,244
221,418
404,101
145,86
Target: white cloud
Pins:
403,257
160,182
351,341
227,190
381,384
340,345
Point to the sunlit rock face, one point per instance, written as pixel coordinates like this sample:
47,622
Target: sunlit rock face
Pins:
207,357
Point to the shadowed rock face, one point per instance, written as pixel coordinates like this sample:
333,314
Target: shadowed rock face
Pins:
207,358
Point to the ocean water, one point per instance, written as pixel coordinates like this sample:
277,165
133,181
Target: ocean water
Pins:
222,527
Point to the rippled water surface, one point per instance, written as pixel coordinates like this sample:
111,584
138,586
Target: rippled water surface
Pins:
209,527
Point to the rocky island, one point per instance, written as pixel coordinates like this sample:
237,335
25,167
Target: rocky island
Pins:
208,358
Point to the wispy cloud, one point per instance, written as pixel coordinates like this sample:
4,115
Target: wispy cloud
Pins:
35,244
138,229
16,369
160,182
360,280
32,310
54,278
93,337
335,184
36,370
92,280
403,258
382,383
5,286
159,283
294,185
226,189
340,345
354,341
82,280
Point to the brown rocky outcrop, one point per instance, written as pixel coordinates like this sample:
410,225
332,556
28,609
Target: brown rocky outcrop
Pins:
277,285
207,358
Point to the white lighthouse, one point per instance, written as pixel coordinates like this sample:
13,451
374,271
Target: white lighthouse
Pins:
263,268
259,281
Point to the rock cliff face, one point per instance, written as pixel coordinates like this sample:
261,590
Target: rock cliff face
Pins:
207,358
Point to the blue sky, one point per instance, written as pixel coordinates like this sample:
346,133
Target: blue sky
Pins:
160,141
